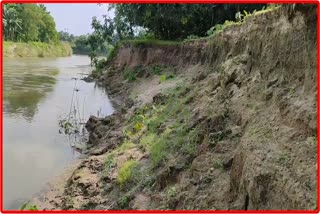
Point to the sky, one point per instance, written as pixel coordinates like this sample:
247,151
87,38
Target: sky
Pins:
76,18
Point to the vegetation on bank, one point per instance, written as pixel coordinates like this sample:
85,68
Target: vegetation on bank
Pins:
108,32
30,31
36,49
82,44
28,23
160,24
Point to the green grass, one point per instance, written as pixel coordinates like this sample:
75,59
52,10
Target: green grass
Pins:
28,206
150,42
130,74
126,172
158,151
36,49
110,162
125,146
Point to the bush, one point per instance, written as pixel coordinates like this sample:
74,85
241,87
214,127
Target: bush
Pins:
126,172
130,75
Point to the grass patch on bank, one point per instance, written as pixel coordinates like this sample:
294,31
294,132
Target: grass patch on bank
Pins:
150,42
36,49
163,129
126,172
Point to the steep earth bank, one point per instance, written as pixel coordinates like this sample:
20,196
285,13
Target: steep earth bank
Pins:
36,49
230,123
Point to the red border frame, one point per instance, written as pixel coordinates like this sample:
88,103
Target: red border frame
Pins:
164,1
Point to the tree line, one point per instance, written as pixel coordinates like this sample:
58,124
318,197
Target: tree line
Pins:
160,21
166,21
28,23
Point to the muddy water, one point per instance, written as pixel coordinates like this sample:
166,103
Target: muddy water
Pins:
38,93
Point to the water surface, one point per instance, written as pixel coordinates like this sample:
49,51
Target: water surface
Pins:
38,93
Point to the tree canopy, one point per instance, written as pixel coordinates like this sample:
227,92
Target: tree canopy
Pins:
28,22
170,21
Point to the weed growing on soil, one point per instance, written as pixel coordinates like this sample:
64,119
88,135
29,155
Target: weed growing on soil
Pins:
126,171
217,164
171,192
165,77
158,151
110,162
28,206
130,75
125,146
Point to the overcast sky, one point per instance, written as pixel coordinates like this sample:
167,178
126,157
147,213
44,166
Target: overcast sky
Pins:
76,18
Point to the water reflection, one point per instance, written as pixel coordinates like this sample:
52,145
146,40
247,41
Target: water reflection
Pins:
24,89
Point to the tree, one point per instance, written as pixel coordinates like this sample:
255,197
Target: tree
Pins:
11,22
28,22
174,21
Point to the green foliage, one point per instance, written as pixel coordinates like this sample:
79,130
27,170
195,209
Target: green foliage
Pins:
163,78
158,151
125,146
217,164
28,22
148,140
171,192
110,162
126,172
130,75
28,206
124,201
150,42
172,21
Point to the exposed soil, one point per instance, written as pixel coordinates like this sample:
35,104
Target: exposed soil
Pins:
234,129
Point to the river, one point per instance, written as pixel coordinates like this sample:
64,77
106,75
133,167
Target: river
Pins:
39,93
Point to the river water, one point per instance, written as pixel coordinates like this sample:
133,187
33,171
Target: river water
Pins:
38,94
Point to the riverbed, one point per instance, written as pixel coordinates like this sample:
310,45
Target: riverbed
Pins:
40,95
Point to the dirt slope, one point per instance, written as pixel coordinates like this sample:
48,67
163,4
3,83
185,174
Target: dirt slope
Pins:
234,129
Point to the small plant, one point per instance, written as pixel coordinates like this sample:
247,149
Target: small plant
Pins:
110,162
27,206
66,127
147,141
126,171
215,29
125,146
124,201
172,192
312,140
158,151
130,75
163,78
156,69
217,164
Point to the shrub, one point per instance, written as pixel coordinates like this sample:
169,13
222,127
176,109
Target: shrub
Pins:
156,69
110,162
158,151
126,171
130,75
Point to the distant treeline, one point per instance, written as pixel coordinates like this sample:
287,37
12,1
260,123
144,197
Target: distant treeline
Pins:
81,44
30,31
28,23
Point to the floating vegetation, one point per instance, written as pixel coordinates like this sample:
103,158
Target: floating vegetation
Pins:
73,124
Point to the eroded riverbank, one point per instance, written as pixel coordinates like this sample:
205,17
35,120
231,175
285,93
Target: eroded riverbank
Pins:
231,126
